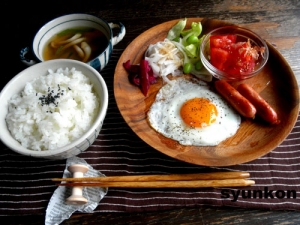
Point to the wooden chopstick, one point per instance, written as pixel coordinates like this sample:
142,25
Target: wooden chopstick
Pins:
172,177
214,179
166,184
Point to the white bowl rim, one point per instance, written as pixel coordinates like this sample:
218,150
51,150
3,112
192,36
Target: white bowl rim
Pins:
65,19
99,119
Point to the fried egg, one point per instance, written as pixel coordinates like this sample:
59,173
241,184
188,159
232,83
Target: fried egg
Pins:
192,114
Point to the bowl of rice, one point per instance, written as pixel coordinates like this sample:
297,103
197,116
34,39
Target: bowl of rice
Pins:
54,109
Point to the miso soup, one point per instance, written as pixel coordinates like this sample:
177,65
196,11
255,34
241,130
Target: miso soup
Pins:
79,43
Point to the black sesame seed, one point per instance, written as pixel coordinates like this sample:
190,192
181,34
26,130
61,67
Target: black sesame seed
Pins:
51,97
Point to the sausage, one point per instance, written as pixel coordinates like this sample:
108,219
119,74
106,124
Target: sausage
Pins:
264,110
237,101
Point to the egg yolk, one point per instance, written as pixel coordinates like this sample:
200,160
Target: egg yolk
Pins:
198,112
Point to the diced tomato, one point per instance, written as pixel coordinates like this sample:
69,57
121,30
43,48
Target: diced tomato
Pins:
222,41
235,58
218,57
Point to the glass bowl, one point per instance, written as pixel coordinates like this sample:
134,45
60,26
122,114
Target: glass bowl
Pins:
243,35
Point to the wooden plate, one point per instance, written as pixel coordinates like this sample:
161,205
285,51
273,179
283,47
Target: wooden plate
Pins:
276,83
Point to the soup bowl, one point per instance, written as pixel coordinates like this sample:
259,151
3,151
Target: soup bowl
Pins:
75,145
60,24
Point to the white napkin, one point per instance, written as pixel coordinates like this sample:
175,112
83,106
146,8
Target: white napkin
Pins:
58,211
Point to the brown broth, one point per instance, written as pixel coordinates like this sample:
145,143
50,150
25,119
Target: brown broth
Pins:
94,38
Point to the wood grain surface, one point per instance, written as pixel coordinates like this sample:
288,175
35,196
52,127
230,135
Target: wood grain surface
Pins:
277,21
253,139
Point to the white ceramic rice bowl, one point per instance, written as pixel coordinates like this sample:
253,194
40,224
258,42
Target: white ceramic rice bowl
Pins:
16,85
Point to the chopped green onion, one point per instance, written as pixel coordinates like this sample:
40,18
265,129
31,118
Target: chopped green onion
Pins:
59,49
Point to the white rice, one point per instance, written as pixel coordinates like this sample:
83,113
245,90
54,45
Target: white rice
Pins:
53,110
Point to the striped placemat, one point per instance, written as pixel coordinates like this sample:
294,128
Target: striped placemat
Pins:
26,186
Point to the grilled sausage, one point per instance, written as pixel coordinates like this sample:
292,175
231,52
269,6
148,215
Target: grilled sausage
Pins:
239,102
264,110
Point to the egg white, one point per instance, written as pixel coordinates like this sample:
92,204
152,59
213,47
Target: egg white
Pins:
164,114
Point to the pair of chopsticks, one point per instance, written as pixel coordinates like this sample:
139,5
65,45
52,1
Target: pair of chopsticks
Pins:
197,180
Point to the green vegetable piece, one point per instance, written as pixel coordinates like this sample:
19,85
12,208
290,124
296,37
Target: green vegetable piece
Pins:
187,68
196,29
191,50
175,31
177,39
198,65
192,39
70,54
58,50
188,42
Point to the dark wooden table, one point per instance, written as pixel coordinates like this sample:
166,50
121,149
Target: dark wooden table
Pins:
278,21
